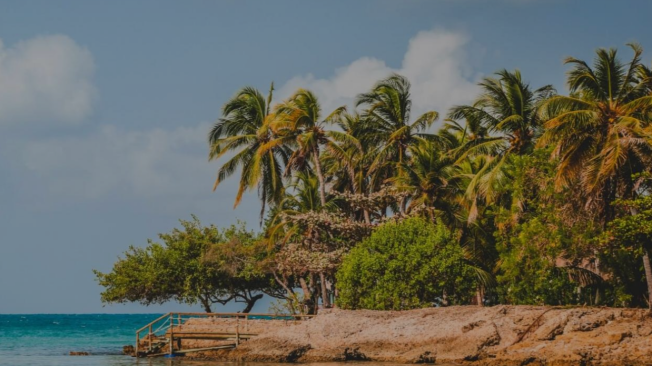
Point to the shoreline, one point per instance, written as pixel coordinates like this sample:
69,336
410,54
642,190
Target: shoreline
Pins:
500,335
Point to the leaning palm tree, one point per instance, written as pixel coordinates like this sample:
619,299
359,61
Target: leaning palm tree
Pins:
601,131
243,130
387,110
297,124
507,108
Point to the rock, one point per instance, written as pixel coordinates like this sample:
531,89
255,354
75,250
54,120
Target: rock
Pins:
76,353
469,335
128,350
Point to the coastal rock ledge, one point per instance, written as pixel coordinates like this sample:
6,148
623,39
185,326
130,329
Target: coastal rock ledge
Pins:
500,335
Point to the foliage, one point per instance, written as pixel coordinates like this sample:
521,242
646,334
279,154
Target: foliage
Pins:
195,264
525,196
600,131
625,242
403,265
633,231
529,274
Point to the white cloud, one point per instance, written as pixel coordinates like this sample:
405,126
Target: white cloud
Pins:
145,164
435,63
44,80
168,168
156,170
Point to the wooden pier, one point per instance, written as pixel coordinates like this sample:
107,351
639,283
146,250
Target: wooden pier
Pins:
164,336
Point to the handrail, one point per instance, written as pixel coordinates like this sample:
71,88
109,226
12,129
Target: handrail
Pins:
168,326
154,321
244,315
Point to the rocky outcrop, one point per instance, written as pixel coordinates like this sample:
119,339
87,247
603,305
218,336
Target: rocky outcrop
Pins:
501,335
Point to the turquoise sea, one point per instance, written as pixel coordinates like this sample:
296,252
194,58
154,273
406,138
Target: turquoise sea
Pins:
47,339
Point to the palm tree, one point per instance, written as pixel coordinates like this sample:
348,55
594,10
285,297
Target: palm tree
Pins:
349,167
601,131
429,178
387,111
243,130
297,123
507,108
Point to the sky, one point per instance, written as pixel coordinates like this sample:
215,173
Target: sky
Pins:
105,106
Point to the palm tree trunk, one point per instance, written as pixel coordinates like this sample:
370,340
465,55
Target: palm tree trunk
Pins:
320,176
648,276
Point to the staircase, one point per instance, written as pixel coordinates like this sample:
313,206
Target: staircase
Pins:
163,336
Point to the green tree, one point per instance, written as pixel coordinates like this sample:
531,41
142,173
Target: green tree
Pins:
430,180
404,265
387,110
243,129
297,124
632,233
195,265
601,132
507,108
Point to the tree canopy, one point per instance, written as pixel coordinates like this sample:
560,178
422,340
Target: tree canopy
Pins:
408,264
526,195
194,265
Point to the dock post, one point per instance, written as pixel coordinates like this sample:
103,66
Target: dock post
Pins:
237,331
149,337
171,332
137,342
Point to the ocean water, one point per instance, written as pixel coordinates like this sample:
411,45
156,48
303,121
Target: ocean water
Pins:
47,339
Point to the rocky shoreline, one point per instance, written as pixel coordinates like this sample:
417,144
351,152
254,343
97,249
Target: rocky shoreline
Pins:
500,335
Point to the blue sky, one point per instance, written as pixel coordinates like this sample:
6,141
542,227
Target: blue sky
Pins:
105,106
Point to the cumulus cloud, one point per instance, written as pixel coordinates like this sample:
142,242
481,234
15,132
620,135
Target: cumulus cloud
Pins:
151,163
156,170
435,63
168,167
46,79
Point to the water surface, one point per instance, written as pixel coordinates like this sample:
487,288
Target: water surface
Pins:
47,339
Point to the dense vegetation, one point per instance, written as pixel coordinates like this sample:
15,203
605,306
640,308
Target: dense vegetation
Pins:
198,264
525,196
406,264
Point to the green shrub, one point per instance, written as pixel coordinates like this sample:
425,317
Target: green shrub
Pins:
405,265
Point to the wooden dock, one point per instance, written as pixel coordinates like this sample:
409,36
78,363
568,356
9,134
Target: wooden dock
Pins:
164,336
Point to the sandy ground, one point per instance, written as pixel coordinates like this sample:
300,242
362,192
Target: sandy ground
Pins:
501,335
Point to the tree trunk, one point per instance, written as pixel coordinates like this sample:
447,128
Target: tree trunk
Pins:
307,297
251,302
324,292
648,276
320,176
367,219
403,205
480,295
305,288
205,304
